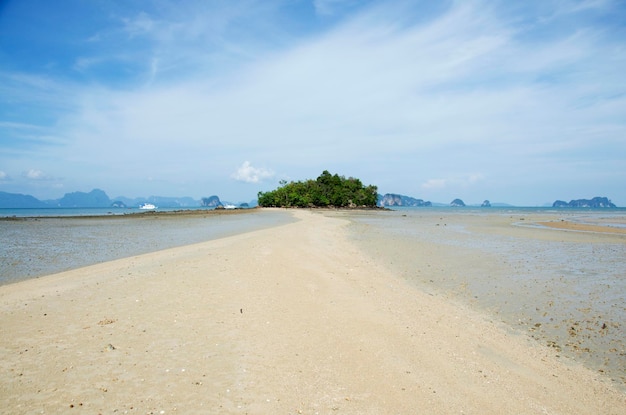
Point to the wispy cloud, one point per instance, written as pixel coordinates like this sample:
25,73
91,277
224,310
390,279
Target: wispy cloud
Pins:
332,7
34,174
403,94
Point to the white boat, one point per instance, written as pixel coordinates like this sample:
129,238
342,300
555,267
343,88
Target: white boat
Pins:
230,207
147,206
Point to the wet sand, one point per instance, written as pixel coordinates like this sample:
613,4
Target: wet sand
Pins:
584,227
291,319
565,286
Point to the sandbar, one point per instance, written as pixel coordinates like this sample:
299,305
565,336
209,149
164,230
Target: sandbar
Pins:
583,227
291,319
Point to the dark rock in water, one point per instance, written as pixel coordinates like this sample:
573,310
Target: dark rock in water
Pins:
596,202
457,203
486,203
391,199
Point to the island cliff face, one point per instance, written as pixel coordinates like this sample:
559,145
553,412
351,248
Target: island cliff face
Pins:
95,198
211,201
596,202
391,199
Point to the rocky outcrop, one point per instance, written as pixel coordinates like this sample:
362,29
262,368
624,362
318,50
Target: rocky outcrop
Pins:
457,203
211,201
390,199
596,202
486,203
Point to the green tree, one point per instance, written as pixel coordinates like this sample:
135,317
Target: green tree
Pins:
327,190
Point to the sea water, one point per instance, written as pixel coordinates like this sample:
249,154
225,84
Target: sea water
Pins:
66,211
35,243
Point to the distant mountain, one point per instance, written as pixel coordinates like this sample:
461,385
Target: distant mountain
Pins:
19,201
391,199
95,198
596,202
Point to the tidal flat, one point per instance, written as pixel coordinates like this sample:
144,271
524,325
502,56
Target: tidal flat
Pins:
564,287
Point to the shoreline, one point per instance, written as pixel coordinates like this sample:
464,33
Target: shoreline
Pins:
33,247
289,319
182,213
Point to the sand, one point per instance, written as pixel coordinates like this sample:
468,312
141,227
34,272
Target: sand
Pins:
292,319
584,227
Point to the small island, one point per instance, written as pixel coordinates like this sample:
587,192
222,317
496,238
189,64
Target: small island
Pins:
328,190
596,202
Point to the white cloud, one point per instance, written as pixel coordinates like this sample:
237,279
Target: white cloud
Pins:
249,174
34,174
397,90
141,24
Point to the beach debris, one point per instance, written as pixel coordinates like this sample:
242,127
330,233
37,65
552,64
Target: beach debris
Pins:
109,347
106,321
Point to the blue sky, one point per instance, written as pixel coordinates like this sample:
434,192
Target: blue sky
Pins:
518,102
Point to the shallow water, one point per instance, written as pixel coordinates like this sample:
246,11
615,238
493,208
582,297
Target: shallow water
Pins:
33,247
565,289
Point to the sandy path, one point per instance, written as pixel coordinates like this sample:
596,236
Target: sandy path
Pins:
292,319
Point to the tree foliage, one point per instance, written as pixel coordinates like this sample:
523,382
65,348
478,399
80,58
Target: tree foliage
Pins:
327,190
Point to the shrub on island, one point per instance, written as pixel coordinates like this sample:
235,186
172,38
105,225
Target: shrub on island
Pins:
327,190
